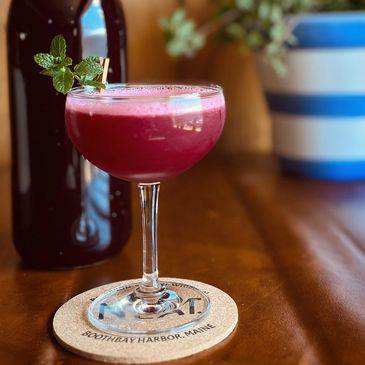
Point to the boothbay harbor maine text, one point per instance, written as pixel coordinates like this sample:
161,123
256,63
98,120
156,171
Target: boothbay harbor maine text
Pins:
148,339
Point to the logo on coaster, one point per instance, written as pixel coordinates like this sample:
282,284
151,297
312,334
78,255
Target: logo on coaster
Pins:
190,305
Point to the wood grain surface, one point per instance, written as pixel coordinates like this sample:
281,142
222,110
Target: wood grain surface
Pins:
290,252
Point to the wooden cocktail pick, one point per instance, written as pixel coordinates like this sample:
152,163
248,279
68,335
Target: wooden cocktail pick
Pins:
103,77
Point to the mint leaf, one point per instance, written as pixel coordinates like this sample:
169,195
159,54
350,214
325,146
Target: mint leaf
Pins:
89,68
58,47
65,62
94,83
51,73
46,60
93,59
56,65
63,81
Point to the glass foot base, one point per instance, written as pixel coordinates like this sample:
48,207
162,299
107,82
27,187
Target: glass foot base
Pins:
122,310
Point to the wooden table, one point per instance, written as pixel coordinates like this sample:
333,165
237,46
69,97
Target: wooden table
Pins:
290,252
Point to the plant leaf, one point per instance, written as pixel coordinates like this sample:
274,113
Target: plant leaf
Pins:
63,81
46,60
177,18
51,73
58,46
264,9
92,59
89,68
94,83
65,62
244,4
56,65
235,31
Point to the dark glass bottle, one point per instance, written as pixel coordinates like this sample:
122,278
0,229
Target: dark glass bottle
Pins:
66,212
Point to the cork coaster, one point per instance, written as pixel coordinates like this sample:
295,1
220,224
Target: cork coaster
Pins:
74,332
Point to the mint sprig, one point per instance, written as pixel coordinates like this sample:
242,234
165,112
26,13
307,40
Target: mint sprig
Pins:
56,65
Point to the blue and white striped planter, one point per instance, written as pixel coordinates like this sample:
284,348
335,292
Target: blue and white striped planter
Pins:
318,109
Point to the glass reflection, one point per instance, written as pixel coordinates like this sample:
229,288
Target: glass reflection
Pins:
183,105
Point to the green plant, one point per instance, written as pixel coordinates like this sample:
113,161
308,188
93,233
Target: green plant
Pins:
56,65
256,24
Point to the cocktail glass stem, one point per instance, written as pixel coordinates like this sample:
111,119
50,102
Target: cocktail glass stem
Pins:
150,289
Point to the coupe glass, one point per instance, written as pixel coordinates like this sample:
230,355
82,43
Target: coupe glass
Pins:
146,134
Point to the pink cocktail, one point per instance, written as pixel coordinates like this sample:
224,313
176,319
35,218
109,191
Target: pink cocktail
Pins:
146,134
